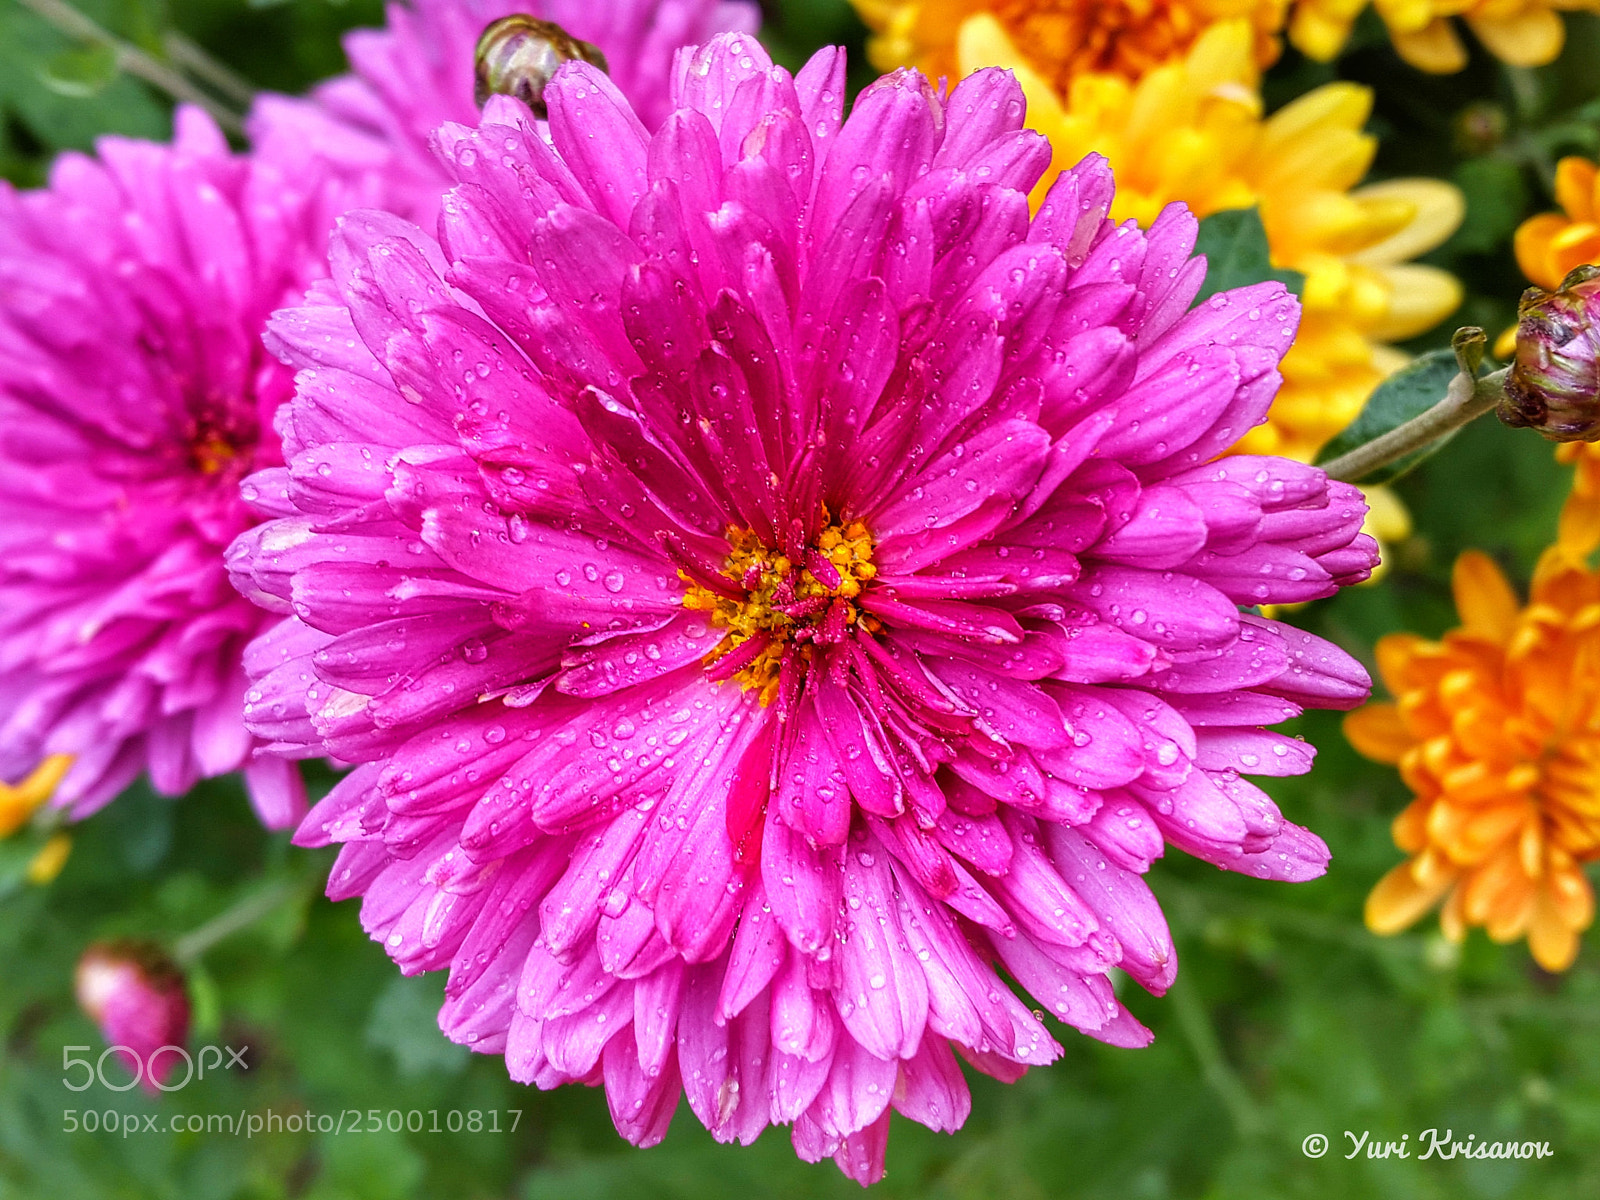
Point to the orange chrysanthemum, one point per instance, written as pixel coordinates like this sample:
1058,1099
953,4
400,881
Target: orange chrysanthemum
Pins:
1496,728
1551,244
1063,39
1579,529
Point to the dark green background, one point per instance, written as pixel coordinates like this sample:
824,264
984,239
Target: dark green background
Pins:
1288,1020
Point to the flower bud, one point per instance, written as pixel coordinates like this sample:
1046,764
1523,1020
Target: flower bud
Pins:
518,55
135,993
1480,127
1554,386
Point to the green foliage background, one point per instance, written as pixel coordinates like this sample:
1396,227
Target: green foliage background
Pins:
1289,1019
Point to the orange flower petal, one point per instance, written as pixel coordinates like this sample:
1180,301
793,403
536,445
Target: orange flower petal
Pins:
1487,605
1575,180
1532,246
1378,732
1398,899
1552,941
1395,653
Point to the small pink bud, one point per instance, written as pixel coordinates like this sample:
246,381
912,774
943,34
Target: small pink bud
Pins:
1554,385
135,993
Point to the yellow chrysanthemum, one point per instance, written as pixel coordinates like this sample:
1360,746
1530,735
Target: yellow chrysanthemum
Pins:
1496,728
1192,130
18,803
1524,33
1062,39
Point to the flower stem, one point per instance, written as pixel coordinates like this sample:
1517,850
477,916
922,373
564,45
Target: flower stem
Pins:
133,60
188,949
192,57
1214,1066
1467,399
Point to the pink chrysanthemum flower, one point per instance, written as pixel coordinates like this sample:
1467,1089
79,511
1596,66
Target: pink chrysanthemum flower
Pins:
372,127
135,394
776,591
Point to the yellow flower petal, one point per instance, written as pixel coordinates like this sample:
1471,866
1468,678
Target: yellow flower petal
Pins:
1066,39
1529,38
1408,16
1318,34
983,42
1387,518
1419,298
1191,131
1439,206
1434,48
1506,344
47,864
20,801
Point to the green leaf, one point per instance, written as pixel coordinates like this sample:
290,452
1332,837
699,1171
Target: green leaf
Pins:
1413,389
39,119
1237,255
205,1002
405,1022
16,854
81,72
1497,199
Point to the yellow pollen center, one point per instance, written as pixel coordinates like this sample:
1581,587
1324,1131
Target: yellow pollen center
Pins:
212,453
784,603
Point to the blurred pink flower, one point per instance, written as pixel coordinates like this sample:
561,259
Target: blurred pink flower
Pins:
136,995
772,585
373,126
135,394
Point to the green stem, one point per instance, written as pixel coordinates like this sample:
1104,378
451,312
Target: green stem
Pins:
1526,94
192,57
1220,1077
1466,400
131,59
1199,903
191,946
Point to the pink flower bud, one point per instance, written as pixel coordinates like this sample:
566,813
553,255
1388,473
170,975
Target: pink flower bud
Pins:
1554,386
135,993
